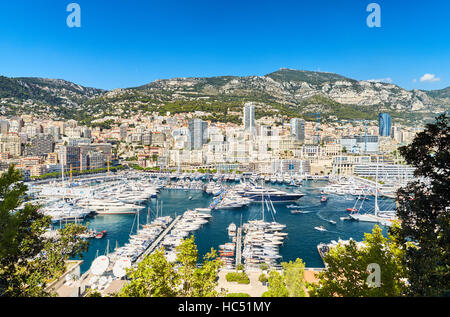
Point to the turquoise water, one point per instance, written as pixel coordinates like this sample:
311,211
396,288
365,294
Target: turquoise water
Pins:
301,241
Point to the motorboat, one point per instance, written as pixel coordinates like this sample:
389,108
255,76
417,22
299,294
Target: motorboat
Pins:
256,193
109,207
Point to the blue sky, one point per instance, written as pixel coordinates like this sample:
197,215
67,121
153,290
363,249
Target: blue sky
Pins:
126,43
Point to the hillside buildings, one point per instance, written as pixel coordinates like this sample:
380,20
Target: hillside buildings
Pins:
186,141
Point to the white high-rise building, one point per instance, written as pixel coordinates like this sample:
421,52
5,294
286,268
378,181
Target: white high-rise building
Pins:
249,117
298,129
199,133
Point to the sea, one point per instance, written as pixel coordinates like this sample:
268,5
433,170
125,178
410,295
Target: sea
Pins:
302,239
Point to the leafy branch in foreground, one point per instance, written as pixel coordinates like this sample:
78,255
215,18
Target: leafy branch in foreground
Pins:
346,268
155,276
28,260
423,209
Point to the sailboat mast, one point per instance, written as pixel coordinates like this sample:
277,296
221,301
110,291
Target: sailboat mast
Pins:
376,190
262,205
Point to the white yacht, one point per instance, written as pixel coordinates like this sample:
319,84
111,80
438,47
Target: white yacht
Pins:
109,207
232,229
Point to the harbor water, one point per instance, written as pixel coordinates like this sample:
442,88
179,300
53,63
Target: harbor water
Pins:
301,241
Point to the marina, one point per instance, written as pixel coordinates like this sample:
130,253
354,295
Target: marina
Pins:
214,202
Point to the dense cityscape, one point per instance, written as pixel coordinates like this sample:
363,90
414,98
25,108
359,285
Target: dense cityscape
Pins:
183,143
68,166
194,170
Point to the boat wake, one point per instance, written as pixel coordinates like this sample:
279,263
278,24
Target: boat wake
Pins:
331,231
334,232
308,211
327,220
311,206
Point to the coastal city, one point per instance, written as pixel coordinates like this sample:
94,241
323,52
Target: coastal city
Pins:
181,143
206,156
76,173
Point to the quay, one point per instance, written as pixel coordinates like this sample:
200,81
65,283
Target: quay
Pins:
155,243
117,284
239,246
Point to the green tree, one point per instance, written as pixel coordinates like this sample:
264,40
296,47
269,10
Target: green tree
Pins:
29,260
293,275
187,256
290,283
346,268
277,287
154,277
423,208
205,278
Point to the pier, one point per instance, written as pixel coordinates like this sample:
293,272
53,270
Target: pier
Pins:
239,246
155,243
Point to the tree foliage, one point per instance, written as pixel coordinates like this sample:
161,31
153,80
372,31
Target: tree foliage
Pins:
423,211
346,268
157,277
290,283
154,277
277,288
29,260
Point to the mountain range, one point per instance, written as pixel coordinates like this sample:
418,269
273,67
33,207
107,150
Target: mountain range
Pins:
286,92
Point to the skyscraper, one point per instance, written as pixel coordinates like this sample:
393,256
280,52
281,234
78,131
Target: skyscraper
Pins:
384,123
298,129
249,117
199,133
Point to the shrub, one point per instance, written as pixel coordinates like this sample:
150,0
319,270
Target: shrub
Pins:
263,278
241,278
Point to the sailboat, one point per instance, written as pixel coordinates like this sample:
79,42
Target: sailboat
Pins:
383,217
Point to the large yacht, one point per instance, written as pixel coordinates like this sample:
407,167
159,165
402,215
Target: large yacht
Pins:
107,207
256,193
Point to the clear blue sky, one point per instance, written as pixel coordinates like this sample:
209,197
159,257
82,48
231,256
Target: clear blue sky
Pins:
126,43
